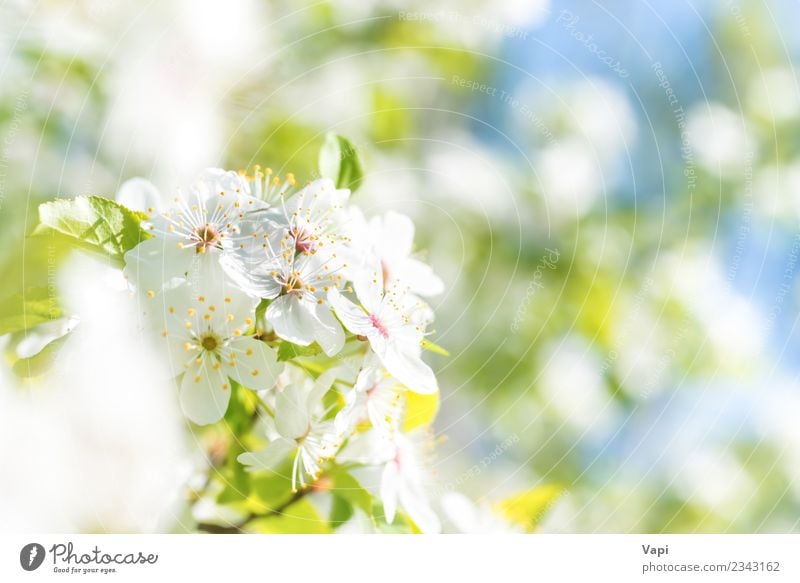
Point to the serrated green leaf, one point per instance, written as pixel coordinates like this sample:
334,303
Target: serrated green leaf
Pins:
94,223
288,351
339,160
298,518
527,509
421,410
24,311
435,348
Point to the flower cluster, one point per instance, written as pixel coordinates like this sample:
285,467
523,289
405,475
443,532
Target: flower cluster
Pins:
255,283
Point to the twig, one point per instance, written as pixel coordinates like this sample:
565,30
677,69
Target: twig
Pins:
240,528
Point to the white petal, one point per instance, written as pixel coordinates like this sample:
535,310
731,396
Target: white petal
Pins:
156,263
255,364
185,307
368,448
268,458
462,512
321,194
409,369
321,386
368,286
418,509
354,318
291,413
211,181
350,414
371,373
205,392
420,277
389,486
291,320
253,276
394,236
179,359
206,274
140,195
327,331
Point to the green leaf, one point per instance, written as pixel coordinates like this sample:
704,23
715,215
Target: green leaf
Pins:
239,415
339,160
527,509
24,311
400,525
237,486
299,518
435,348
341,511
271,489
288,351
237,481
39,363
94,223
347,487
421,410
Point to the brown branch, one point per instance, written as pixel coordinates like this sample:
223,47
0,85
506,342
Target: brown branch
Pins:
240,528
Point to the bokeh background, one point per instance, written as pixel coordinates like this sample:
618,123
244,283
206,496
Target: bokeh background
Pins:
611,191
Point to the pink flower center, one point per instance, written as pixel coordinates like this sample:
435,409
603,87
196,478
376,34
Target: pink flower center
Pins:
303,240
398,458
378,325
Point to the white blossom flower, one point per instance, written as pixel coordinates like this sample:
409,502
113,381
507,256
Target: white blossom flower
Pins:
393,336
301,429
191,239
313,216
404,473
388,240
293,260
376,397
305,223
208,342
301,314
403,484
